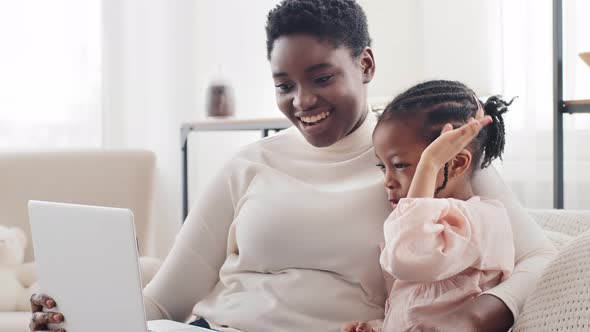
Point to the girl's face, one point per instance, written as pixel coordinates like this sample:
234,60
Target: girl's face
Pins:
320,88
398,148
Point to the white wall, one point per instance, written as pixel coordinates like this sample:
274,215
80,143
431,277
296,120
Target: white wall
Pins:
461,40
231,44
393,27
432,39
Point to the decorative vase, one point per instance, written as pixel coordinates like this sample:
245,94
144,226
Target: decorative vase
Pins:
220,100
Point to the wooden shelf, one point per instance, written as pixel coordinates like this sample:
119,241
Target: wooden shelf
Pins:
237,124
576,106
577,102
265,125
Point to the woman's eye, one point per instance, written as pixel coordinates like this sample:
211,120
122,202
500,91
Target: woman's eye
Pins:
400,165
381,166
284,87
324,79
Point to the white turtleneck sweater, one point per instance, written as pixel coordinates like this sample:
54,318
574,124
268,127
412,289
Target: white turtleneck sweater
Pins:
286,238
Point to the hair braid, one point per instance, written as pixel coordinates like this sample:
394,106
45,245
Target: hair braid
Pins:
452,102
494,145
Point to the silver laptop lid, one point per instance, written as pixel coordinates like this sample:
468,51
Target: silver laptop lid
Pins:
87,261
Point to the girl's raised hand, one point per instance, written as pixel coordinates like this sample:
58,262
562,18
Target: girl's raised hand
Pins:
452,141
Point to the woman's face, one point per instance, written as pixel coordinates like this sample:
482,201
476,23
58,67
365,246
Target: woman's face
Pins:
320,89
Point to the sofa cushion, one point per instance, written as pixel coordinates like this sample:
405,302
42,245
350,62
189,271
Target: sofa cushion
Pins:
557,238
561,298
114,178
14,321
570,222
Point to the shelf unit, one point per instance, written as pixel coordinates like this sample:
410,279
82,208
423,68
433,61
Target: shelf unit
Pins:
265,126
560,106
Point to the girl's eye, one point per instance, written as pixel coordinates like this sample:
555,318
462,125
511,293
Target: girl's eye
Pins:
400,165
381,166
284,87
324,79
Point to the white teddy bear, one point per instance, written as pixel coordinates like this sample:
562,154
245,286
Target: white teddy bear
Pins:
17,280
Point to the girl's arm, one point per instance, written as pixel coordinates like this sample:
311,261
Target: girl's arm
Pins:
431,239
497,309
444,148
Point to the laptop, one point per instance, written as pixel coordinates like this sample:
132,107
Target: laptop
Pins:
87,260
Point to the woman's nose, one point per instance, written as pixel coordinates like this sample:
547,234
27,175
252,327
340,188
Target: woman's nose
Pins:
304,99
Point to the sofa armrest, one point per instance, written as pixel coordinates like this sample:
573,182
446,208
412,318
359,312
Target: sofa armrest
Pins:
570,222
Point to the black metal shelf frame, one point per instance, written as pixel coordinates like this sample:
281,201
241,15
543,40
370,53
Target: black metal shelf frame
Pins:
560,106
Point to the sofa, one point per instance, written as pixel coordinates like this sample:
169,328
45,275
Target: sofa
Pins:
125,179
560,300
121,178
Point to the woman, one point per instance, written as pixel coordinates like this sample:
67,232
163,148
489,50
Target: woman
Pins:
286,237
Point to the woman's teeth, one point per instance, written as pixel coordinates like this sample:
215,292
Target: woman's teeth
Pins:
314,118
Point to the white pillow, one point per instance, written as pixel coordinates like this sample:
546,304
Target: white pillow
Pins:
558,239
561,298
570,222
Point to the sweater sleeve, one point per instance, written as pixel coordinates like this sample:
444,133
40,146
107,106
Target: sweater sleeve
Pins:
532,249
429,239
191,269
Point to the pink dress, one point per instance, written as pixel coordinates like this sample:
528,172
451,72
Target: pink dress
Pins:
440,253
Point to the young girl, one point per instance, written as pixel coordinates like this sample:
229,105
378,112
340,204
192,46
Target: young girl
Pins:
443,244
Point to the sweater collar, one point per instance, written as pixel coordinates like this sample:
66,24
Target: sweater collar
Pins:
359,140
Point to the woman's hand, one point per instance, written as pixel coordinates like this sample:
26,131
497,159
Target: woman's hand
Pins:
40,319
357,327
485,313
454,323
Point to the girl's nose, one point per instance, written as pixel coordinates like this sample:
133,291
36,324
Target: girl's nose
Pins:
390,182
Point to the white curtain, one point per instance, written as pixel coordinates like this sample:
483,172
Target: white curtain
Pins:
50,82
149,56
527,70
159,56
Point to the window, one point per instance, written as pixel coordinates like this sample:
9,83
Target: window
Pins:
50,74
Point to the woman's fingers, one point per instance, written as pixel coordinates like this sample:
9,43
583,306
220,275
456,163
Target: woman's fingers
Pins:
45,330
364,327
39,321
422,328
40,301
43,318
349,327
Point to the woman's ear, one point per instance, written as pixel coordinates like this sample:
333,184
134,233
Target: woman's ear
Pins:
460,163
367,65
